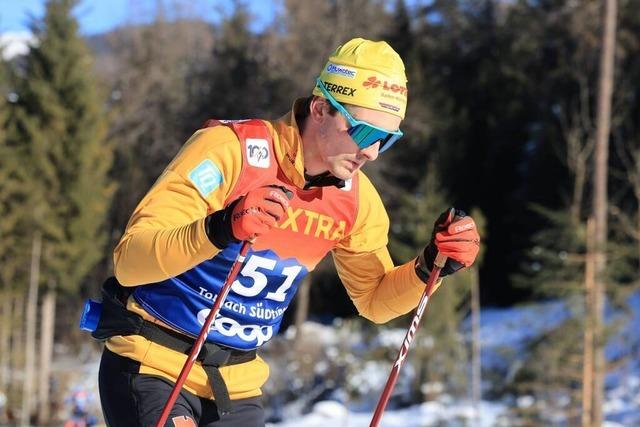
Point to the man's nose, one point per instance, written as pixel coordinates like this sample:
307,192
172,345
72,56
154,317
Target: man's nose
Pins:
371,152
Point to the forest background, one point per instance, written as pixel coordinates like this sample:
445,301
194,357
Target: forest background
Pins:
507,111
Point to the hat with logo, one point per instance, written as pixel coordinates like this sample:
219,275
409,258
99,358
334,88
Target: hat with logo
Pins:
368,74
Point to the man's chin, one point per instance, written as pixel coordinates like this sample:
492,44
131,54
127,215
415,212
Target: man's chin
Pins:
344,174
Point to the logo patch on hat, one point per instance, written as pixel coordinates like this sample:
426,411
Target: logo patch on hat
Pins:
206,177
341,70
389,106
339,89
373,83
258,152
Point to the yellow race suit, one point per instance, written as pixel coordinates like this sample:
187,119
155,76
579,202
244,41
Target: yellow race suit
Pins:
166,239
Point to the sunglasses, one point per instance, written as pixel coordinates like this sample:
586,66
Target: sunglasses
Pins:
362,133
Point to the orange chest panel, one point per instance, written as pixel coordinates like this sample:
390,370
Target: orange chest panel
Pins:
317,218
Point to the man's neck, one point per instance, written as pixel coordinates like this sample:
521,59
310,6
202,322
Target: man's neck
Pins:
324,179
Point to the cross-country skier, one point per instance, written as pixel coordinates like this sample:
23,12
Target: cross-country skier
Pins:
231,182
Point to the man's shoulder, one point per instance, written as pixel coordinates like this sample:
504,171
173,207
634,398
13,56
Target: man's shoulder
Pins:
365,184
208,140
218,144
368,195
213,136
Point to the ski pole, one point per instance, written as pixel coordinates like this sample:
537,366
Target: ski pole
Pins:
438,264
195,350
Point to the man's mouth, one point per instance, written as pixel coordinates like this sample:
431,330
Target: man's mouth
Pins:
354,165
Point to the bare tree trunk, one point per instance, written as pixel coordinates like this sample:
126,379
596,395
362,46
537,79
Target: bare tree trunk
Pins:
600,198
46,354
5,347
17,356
579,166
476,366
302,309
5,334
587,362
30,339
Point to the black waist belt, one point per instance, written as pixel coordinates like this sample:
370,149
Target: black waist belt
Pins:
117,320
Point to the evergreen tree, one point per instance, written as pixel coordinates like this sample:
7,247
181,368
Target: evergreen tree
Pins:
559,262
12,250
625,156
60,132
154,83
61,127
235,73
302,38
555,267
10,189
474,83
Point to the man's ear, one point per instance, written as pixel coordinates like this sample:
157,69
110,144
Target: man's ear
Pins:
319,108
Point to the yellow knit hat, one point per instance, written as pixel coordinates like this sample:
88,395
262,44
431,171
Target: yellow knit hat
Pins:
368,74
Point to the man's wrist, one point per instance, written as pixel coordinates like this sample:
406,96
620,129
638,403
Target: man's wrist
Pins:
218,227
422,271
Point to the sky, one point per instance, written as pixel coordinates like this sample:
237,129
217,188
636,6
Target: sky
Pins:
98,16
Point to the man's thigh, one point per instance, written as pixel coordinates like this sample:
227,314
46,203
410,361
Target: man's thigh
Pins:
244,413
131,399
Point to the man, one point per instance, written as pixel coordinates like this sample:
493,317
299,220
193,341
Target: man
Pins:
294,188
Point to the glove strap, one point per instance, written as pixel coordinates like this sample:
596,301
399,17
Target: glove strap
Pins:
421,265
218,227
421,271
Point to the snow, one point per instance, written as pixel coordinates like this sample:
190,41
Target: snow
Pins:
501,329
13,44
449,413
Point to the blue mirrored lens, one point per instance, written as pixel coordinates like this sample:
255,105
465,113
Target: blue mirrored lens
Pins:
365,136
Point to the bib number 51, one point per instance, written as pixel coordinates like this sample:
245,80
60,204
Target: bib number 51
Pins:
260,280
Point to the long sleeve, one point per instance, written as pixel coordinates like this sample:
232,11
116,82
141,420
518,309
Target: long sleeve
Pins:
166,234
379,290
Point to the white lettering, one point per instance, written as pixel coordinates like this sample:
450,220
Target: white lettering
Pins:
404,350
229,328
266,313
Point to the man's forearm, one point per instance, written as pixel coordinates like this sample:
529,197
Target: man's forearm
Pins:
151,255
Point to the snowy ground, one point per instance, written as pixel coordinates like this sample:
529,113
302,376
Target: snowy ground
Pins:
334,414
500,327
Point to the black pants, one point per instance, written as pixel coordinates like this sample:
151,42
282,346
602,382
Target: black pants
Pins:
131,399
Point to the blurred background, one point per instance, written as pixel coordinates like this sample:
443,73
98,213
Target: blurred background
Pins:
524,113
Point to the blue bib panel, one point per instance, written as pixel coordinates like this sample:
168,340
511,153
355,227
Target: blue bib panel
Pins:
251,313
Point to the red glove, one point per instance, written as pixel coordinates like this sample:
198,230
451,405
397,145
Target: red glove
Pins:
248,217
257,212
455,236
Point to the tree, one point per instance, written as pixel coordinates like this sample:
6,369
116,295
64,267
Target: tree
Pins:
304,37
14,242
152,72
476,361
5,310
625,162
236,71
441,359
60,126
600,201
476,100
